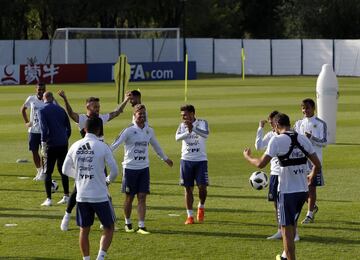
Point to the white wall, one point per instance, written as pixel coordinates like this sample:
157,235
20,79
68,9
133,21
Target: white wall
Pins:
315,54
347,57
257,53
6,52
227,56
286,57
102,50
32,49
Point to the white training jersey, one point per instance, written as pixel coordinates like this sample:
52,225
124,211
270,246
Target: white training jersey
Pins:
84,117
136,146
261,143
291,178
85,162
318,130
35,105
193,144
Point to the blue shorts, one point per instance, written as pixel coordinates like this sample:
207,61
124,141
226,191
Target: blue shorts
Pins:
289,207
191,171
136,181
34,141
273,188
85,213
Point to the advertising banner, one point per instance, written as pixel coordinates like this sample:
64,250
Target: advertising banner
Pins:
9,75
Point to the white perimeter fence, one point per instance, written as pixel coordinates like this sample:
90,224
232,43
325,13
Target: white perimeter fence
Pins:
263,57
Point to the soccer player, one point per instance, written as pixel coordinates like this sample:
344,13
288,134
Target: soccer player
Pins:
315,130
293,151
55,132
35,102
261,142
136,174
85,162
92,110
193,165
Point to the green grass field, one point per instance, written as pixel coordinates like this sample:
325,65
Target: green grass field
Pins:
238,219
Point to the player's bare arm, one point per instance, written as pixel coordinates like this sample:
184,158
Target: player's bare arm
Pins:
24,115
257,162
119,109
316,167
169,162
73,115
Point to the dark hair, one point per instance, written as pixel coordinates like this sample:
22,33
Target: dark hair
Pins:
282,119
93,125
308,101
273,113
188,108
92,99
135,93
41,84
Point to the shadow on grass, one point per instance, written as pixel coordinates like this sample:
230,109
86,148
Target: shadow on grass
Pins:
219,210
349,144
21,190
210,186
31,258
211,196
330,240
22,216
209,234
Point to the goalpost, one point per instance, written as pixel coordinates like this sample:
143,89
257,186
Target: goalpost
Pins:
161,34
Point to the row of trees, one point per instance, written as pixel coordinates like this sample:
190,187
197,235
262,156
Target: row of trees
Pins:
38,19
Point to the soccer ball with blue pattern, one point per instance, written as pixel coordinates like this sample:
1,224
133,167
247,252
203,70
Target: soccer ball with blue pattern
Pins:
258,180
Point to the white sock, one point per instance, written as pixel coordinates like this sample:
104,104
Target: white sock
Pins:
67,215
283,254
141,224
201,206
127,221
310,214
86,257
101,255
189,212
39,170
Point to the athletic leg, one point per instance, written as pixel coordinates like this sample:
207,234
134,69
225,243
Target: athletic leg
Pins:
84,241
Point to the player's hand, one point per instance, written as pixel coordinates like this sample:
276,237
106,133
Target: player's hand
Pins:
169,162
28,124
62,93
247,152
262,123
107,180
44,149
189,125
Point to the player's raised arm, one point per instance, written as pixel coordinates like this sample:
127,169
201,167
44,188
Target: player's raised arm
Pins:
119,109
73,115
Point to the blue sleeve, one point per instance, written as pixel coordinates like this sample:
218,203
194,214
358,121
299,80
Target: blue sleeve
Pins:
67,125
44,129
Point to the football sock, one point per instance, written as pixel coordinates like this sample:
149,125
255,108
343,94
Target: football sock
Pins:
141,224
101,255
127,221
201,206
283,254
39,170
310,214
189,212
86,257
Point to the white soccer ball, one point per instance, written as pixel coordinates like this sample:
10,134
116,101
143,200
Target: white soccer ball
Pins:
258,180
54,186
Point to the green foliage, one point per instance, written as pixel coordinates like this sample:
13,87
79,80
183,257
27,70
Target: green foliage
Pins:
238,219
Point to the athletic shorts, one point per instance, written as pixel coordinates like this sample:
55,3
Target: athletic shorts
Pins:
273,188
85,213
289,207
318,180
34,141
191,171
136,181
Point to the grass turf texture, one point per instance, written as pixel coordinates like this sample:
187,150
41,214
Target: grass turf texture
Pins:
238,218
